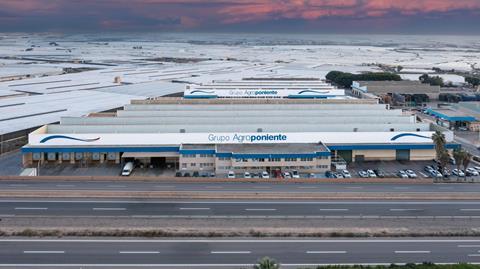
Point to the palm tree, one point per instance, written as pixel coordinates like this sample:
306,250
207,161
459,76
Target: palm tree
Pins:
267,263
439,141
459,156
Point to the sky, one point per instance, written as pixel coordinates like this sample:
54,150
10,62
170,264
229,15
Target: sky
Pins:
276,16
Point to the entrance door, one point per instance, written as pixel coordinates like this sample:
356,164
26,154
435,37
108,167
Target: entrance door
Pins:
159,162
403,155
346,155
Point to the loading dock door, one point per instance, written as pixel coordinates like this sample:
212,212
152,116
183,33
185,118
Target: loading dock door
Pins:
403,155
346,155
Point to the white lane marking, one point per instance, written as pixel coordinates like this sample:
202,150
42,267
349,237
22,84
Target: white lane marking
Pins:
260,209
139,252
31,208
401,188
109,208
18,185
230,252
6,215
326,252
65,185
44,252
445,188
412,251
311,187
241,202
354,188
473,255
334,209
260,187
194,208
116,186
468,246
206,265
164,186
470,209
405,209
213,187
248,240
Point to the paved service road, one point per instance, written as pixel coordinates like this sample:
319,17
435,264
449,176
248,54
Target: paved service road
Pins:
241,209
235,187
231,253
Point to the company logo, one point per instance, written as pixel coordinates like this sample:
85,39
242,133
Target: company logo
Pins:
53,137
252,92
200,91
408,134
238,138
314,92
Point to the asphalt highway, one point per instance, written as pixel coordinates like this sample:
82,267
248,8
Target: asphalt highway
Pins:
374,209
234,187
85,253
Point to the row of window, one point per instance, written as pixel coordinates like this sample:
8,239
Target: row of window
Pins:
201,165
255,159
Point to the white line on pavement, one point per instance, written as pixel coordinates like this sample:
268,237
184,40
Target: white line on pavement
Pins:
353,187
108,209
44,252
412,251
468,246
326,252
470,209
18,185
31,208
116,186
194,208
260,209
65,185
405,209
230,252
477,241
310,187
334,209
139,252
473,255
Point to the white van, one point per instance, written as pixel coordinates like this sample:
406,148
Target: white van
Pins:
127,169
231,174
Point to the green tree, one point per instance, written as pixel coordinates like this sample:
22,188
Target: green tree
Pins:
459,156
399,68
434,81
267,263
439,141
474,81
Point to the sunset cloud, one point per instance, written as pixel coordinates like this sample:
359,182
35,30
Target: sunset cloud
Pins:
224,14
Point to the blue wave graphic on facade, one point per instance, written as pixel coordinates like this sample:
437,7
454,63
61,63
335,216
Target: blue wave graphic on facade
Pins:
408,134
53,137
311,91
200,91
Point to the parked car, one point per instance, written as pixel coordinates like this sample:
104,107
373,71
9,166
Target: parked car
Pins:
429,168
471,172
435,173
231,174
247,175
458,172
265,175
178,174
379,173
329,174
186,174
371,173
312,175
127,169
477,168
196,174
338,175
212,174
446,172
346,174
452,161
402,174
295,174
463,128
287,175
411,173
363,174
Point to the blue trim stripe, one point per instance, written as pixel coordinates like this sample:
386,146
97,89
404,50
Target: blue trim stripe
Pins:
197,151
407,135
200,96
448,118
54,137
103,149
387,147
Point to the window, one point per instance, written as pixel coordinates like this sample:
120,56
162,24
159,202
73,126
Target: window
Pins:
306,159
193,164
206,155
184,165
274,160
322,157
224,158
189,155
290,159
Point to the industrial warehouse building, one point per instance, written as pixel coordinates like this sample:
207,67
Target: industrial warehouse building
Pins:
221,135
301,88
